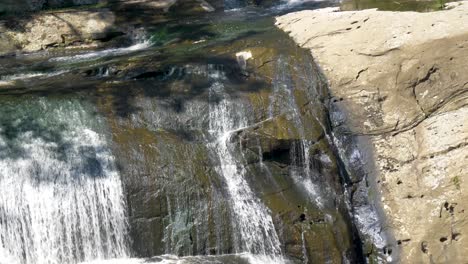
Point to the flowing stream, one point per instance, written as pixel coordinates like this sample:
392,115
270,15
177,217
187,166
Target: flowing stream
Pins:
206,142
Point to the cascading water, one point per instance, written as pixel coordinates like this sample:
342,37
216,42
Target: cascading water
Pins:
62,199
193,196
88,56
282,100
251,219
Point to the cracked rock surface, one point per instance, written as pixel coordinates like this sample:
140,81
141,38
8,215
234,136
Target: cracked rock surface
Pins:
401,81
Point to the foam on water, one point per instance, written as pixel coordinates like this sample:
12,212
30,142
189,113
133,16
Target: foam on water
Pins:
30,75
172,259
103,53
62,199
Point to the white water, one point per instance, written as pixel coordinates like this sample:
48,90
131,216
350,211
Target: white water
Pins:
30,75
285,4
61,200
251,219
104,53
282,101
171,259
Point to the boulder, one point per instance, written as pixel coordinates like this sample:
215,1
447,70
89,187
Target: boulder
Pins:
93,26
44,30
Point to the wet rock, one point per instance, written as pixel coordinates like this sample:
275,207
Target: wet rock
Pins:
405,108
160,122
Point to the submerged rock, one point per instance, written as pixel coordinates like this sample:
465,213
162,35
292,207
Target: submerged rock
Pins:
399,87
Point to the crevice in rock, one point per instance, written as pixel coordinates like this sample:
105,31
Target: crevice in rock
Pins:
403,241
426,78
378,54
361,71
445,151
412,124
336,32
264,63
277,192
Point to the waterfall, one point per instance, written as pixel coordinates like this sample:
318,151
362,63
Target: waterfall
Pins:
282,100
251,219
62,199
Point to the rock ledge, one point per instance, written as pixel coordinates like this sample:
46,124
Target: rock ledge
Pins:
401,81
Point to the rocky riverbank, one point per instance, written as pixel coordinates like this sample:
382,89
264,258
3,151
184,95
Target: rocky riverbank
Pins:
218,128
114,23
37,25
399,86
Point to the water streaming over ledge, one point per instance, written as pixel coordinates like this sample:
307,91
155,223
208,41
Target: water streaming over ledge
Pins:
252,220
283,101
219,158
61,199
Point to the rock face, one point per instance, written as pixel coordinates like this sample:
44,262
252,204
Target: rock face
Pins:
177,196
399,83
47,30
166,112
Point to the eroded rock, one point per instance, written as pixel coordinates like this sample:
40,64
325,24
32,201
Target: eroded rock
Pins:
45,30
